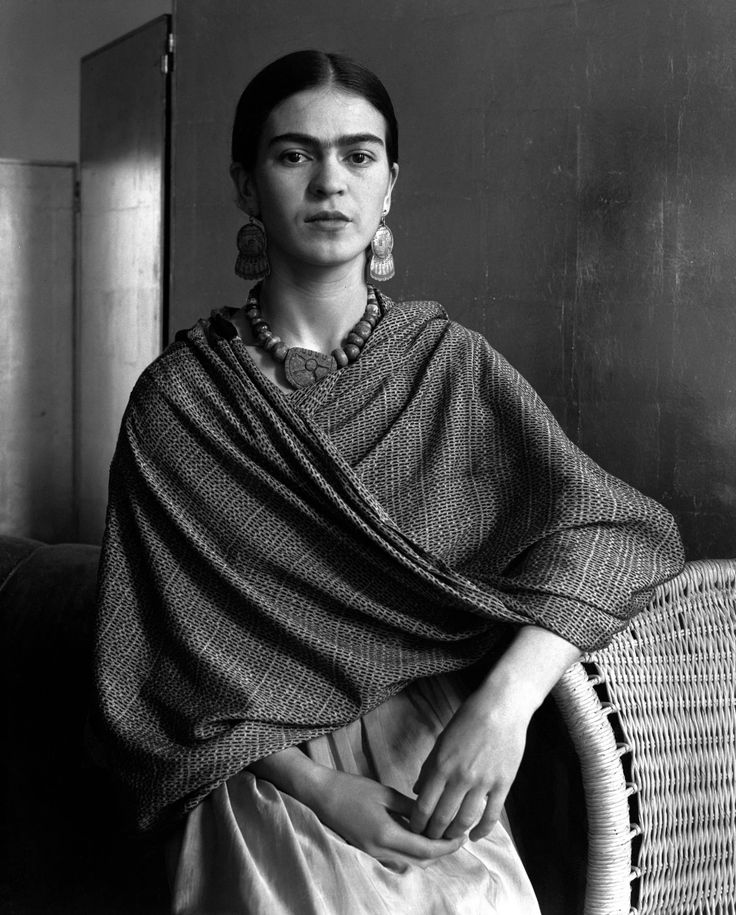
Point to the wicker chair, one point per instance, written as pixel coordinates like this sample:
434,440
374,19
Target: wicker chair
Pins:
653,722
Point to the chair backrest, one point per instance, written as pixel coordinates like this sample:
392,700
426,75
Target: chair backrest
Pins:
653,719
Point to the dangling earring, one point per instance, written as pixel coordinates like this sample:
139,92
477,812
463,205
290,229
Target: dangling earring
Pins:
381,265
252,262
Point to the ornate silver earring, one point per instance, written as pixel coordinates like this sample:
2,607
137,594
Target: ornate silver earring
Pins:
252,262
381,266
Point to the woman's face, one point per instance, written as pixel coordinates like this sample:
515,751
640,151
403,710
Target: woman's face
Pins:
322,179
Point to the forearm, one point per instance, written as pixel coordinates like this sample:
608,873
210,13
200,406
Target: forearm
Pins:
294,772
465,779
529,668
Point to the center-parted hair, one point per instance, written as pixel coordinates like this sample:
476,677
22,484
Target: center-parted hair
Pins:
297,72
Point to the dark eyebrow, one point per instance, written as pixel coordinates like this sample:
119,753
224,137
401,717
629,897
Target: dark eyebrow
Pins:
303,139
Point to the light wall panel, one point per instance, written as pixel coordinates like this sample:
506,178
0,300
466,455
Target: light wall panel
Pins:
36,305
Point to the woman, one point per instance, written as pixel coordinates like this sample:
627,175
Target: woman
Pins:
348,553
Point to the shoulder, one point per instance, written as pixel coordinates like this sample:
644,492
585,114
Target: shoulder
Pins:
432,316
412,309
427,313
173,374
465,349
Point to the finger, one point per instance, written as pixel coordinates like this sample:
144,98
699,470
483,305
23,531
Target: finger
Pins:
398,862
401,804
445,810
489,819
395,861
396,802
471,812
424,805
400,840
427,774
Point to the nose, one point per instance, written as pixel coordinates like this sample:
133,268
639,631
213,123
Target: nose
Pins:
328,177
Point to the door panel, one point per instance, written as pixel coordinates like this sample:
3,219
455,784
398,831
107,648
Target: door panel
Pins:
122,278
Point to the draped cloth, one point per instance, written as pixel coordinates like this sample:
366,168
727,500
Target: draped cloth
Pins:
275,565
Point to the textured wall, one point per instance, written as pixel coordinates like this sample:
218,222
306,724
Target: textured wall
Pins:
567,188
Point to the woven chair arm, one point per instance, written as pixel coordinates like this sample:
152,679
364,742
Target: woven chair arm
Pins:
665,689
608,873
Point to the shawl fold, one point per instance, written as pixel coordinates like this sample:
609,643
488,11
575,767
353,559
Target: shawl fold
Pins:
275,565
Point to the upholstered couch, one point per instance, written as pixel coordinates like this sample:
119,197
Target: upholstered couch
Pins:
66,848
626,799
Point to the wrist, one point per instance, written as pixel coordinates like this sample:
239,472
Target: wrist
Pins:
293,772
314,787
529,668
506,688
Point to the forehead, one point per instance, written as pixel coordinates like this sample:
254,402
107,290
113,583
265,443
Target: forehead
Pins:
325,114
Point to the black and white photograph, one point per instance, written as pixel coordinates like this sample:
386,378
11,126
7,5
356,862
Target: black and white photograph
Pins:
368,457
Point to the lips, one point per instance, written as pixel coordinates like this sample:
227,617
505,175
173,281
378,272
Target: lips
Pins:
328,216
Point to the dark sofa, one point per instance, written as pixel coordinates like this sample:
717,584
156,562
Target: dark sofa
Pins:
66,848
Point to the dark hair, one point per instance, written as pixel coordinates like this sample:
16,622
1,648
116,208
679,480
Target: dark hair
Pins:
294,73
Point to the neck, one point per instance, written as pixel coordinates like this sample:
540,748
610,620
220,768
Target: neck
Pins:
314,312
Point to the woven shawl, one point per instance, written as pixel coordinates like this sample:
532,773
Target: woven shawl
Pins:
275,565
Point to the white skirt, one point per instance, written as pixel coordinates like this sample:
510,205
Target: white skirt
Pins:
250,849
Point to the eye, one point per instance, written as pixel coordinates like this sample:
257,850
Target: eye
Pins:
292,157
359,157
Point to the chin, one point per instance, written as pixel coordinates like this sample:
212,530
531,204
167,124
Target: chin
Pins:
333,258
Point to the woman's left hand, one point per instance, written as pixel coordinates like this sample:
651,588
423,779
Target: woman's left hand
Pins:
464,781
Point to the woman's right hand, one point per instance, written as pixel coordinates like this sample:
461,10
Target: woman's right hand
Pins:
365,813
375,819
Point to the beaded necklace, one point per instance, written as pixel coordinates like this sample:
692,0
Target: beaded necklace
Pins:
303,367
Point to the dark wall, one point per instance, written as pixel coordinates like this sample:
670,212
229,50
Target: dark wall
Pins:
652,355
568,181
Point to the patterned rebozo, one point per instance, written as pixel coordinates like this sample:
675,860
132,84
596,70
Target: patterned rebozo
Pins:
275,565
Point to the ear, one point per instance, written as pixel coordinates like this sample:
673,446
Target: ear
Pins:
393,175
247,199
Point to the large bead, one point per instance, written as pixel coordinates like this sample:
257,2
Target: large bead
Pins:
338,354
351,351
352,337
363,329
279,352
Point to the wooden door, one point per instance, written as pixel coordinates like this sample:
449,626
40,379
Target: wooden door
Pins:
123,275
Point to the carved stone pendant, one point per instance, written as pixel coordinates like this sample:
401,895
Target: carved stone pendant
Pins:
303,366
